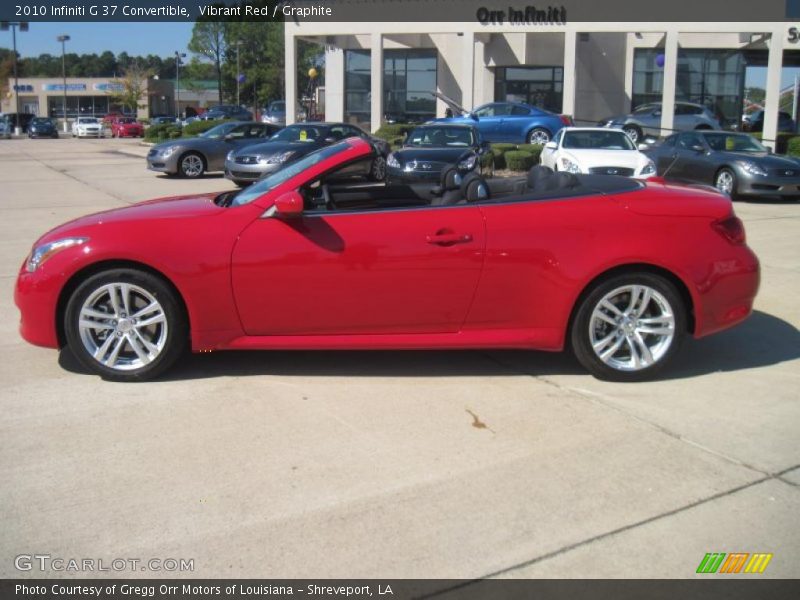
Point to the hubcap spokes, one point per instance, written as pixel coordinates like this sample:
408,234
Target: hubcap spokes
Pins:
539,138
632,327
123,326
725,182
192,166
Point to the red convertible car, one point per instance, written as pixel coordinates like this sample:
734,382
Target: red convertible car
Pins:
312,257
126,127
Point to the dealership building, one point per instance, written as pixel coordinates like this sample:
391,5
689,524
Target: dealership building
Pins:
94,97
552,56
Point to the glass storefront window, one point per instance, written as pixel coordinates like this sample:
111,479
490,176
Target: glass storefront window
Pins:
538,86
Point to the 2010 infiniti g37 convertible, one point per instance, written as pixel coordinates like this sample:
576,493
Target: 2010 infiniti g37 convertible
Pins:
313,258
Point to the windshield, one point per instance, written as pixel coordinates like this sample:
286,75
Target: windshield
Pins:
733,142
597,140
87,120
299,133
277,107
218,131
128,120
440,137
41,121
264,185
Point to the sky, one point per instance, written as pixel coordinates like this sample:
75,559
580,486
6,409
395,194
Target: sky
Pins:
162,39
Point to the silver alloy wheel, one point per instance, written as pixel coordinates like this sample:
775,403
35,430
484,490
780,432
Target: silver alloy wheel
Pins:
724,182
123,326
632,327
633,133
192,165
379,169
538,137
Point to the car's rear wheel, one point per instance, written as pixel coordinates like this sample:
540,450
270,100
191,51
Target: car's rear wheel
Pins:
633,132
191,165
628,327
725,181
538,136
125,325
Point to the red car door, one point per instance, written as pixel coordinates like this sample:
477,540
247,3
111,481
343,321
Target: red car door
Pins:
373,271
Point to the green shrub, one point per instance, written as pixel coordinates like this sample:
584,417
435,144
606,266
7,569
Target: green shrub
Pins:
516,160
196,127
156,133
793,146
504,147
534,150
392,131
499,158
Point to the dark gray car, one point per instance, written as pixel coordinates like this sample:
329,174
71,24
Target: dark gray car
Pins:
735,163
645,120
249,164
191,157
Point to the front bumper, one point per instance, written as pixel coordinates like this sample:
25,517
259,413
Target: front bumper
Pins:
89,133
248,173
36,296
769,186
163,164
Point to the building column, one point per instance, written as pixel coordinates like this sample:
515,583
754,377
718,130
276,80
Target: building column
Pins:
334,84
468,71
291,78
668,87
772,99
568,89
376,81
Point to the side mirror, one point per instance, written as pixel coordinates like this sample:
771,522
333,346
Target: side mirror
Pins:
551,146
485,146
698,148
643,147
330,140
289,204
769,150
228,137
656,113
473,116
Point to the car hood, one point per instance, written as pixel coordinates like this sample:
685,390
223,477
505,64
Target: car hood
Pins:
195,142
447,155
628,159
277,147
174,207
769,161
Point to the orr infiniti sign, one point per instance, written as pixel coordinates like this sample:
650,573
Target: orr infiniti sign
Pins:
522,15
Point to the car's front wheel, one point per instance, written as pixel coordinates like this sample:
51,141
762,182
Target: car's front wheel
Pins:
191,165
538,136
628,327
125,325
725,182
377,171
633,132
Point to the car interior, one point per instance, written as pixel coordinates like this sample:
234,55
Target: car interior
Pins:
334,192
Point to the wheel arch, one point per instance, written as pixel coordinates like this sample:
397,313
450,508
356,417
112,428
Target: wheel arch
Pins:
105,265
670,276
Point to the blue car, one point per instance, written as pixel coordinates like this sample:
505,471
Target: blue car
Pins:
511,122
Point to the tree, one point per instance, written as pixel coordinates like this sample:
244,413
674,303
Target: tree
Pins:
209,40
133,85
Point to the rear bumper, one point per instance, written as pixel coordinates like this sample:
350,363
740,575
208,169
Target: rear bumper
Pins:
728,292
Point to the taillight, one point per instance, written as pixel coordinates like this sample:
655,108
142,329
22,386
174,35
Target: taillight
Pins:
567,120
731,228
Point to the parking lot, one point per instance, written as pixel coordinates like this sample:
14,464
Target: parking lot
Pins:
392,464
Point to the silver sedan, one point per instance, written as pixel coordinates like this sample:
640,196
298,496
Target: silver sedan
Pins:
191,157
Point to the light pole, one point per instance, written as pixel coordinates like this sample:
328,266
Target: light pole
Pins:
238,72
23,26
178,57
64,39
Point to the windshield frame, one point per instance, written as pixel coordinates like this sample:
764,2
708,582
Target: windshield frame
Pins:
228,127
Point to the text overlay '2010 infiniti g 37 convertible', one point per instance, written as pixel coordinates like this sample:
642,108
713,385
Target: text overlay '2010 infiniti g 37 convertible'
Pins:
618,269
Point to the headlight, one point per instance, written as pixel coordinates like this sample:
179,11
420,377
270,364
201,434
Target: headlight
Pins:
753,168
569,166
468,163
45,251
649,168
276,159
392,161
167,151
229,156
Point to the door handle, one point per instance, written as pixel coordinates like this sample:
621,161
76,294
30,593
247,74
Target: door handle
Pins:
448,239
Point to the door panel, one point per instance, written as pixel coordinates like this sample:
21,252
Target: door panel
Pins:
392,271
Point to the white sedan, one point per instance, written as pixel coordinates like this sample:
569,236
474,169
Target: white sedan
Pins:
596,150
87,127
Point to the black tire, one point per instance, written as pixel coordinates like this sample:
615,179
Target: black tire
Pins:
634,132
539,136
377,170
175,328
581,330
726,172
197,168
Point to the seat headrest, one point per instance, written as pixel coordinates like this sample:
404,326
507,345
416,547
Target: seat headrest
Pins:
474,188
566,181
538,173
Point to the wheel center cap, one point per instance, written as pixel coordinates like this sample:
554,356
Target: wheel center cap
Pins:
628,325
124,325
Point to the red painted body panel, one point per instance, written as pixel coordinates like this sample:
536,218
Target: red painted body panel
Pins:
383,279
